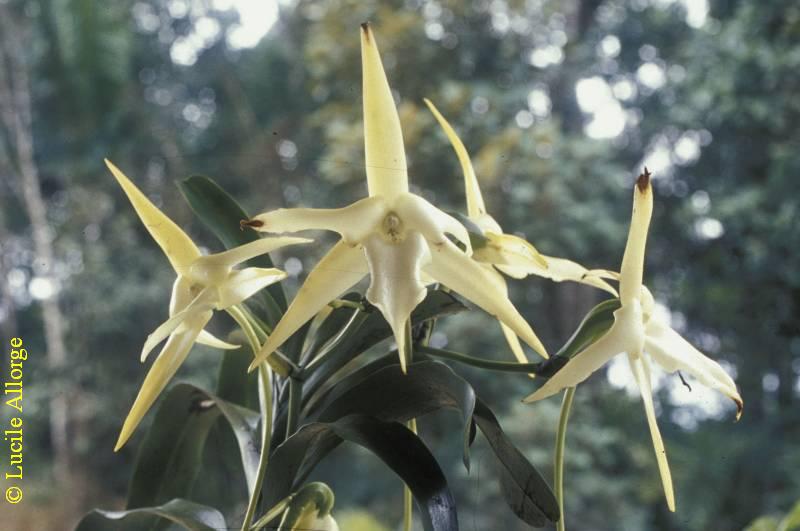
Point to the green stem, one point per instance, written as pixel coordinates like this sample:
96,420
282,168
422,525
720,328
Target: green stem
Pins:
343,303
408,500
265,397
272,513
505,366
262,328
246,326
561,438
265,400
279,363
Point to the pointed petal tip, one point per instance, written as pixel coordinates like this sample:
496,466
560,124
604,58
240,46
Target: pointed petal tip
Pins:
121,440
643,181
366,33
739,407
254,224
533,397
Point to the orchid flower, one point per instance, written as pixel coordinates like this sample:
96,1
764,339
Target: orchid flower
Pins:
511,254
397,237
310,509
642,335
204,284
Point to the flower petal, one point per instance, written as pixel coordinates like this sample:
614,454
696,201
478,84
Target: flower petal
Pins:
353,222
641,371
673,353
507,249
475,204
383,139
239,254
178,247
559,270
241,285
164,368
583,365
514,344
201,303
338,271
632,267
469,278
511,337
395,284
418,214
210,340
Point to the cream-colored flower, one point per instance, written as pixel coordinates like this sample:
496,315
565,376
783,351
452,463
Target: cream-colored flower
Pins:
204,284
397,237
310,510
642,335
511,254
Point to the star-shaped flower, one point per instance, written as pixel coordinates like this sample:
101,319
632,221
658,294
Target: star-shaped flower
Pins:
514,256
641,335
204,284
397,237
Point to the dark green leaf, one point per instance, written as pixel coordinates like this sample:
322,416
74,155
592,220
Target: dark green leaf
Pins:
389,394
384,392
594,325
234,383
364,329
367,329
190,515
170,454
221,214
524,489
396,445
331,326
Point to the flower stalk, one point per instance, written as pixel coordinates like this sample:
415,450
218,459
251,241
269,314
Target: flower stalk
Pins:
558,468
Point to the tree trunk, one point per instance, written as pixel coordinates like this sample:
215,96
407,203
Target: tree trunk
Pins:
15,101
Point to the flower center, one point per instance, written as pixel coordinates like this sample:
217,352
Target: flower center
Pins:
392,228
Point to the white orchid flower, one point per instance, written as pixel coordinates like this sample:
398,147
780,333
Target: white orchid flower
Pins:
642,335
514,256
397,237
309,509
204,284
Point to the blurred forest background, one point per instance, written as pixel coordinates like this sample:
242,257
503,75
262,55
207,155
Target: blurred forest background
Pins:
560,103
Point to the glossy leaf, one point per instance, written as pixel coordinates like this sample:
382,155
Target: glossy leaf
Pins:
367,329
596,323
234,384
170,456
189,515
524,489
331,326
384,392
389,394
393,443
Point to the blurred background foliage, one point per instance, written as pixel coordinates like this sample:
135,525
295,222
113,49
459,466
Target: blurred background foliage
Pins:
560,103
